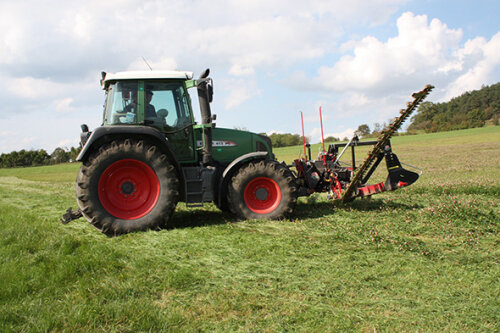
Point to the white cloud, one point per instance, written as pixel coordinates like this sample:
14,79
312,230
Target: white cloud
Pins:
239,92
80,36
238,70
64,105
66,144
274,132
485,70
27,95
419,52
315,134
376,77
33,88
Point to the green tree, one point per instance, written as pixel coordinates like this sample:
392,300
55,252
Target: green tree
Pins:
41,158
362,131
286,139
59,155
331,139
377,128
471,109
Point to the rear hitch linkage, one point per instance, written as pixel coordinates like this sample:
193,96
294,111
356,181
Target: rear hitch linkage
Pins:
70,215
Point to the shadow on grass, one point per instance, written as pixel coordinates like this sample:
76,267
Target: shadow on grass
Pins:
199,218
377,204
320,209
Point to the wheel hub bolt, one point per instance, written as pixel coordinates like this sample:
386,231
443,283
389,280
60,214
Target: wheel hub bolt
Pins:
128,188
261,194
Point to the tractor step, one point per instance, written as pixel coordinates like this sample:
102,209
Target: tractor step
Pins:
193,187
198,185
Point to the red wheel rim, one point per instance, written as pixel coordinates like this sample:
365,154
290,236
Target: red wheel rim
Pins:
262,195
128,189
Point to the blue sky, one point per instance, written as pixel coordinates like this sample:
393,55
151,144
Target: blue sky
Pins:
359,60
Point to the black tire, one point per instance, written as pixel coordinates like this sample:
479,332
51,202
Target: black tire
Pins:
127,186
223,206
262,190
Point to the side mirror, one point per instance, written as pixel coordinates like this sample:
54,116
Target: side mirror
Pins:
204,74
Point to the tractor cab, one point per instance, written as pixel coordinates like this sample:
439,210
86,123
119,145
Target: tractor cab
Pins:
155,99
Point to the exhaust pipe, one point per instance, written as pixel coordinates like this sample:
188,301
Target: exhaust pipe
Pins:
205,94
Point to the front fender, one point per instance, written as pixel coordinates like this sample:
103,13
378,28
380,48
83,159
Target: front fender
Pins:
106,134
233,167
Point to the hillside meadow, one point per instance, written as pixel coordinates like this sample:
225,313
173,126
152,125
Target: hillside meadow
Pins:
424,258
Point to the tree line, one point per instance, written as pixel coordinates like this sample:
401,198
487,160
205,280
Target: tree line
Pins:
286,139
28,158
472,109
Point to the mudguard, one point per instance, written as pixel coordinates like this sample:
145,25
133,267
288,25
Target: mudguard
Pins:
232,167
105,134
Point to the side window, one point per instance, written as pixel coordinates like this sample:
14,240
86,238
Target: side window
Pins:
166,106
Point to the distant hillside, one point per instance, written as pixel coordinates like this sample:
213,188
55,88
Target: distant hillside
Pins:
472,109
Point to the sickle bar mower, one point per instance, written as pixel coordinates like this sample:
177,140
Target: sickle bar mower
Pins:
345,183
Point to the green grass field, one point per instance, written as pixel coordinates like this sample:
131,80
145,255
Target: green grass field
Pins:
424,258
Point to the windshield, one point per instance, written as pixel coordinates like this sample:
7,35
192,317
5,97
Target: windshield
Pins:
121,104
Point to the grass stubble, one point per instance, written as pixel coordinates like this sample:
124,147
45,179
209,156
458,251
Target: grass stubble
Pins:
425,258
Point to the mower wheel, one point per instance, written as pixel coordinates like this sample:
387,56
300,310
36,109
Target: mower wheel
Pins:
126,186
262,190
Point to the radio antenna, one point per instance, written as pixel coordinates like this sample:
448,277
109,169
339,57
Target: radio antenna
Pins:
147,63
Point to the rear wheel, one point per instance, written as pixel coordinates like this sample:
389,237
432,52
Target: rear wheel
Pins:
127,186
264,189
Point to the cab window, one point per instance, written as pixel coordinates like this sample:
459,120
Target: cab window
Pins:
166,106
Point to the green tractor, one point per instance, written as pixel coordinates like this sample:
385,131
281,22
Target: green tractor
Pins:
149,154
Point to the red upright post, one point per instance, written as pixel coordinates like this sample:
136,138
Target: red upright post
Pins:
303,136
322,137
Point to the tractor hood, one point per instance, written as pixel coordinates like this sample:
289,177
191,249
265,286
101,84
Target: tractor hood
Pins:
229,144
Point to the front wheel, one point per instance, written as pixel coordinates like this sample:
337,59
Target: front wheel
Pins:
264,189
127,186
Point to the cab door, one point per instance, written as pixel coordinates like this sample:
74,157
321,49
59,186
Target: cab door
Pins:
166,107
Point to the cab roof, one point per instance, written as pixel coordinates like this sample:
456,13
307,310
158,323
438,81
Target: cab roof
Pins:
145,75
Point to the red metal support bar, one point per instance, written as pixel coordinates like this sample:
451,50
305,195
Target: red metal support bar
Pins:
303,136
323,157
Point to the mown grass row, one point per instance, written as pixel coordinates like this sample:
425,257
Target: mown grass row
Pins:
425,258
